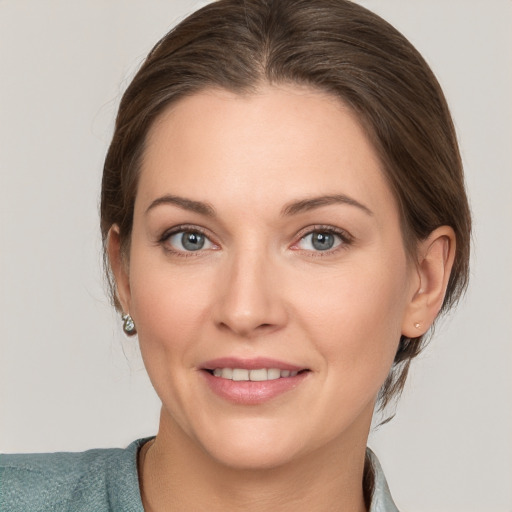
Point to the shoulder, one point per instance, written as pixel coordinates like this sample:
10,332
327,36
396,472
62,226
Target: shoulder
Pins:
95,480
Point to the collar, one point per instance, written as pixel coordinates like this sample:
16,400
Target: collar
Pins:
381,498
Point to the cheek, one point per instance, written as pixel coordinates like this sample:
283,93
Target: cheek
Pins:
169,307
355,318
169,311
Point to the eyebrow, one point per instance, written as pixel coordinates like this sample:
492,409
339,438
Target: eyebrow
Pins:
185,204
307,204
303,205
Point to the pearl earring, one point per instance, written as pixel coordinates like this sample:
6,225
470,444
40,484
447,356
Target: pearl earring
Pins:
128,325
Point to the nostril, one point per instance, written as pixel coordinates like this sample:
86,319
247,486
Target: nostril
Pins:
247,330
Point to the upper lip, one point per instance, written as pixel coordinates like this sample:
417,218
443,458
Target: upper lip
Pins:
250,364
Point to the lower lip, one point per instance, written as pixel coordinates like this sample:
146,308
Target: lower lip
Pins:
252,393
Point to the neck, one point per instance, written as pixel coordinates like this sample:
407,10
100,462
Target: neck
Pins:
175,474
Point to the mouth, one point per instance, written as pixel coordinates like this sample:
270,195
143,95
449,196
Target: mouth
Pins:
253,375
252,381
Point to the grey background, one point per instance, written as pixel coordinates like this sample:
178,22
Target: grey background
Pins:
69,380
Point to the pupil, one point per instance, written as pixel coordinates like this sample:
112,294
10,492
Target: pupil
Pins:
192,241
322,241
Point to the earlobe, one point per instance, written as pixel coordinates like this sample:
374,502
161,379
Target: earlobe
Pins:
119,267
435,261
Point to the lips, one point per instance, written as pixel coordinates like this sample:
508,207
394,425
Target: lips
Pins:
254,363
251,381
256,375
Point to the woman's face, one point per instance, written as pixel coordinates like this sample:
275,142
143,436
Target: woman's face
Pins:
266,246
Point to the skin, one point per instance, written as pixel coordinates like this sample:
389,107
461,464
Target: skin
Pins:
259,288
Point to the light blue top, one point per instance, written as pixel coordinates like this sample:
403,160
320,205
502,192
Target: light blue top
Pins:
98,481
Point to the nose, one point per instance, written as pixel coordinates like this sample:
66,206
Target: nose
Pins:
250,300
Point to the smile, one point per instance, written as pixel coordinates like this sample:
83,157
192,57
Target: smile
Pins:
254,375
252,381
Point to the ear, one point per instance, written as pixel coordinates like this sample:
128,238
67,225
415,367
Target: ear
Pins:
435,256
119,267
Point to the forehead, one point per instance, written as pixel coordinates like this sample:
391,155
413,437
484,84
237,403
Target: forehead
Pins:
270,146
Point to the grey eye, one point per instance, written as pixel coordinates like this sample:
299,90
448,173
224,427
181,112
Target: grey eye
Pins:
320,241
192,241
189,241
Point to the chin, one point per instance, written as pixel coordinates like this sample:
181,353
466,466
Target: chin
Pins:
259,445
252,456
264,443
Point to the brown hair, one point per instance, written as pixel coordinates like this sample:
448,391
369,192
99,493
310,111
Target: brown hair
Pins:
332,45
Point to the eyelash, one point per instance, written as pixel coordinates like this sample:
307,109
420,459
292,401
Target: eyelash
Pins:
185,228
345,240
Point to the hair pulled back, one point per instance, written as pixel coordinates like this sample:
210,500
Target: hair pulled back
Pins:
335,46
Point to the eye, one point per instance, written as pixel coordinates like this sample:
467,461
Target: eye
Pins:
188,241
321,240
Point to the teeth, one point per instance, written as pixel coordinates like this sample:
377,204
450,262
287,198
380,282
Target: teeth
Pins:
258,375
273,373
240,374
227,373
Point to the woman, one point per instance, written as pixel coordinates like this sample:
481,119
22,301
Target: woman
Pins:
284,217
